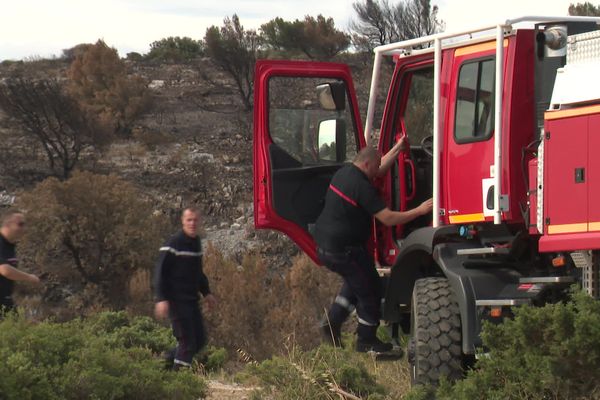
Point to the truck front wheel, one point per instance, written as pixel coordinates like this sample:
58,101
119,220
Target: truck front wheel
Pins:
434,348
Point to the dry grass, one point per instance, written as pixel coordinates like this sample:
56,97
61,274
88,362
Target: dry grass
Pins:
264,314
140,293
260,309
393,375
326,373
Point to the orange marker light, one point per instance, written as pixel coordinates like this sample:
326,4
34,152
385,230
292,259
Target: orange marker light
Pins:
558,262
496,312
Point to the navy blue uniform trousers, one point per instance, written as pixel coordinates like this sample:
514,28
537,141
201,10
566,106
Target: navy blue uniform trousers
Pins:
188,329
361,289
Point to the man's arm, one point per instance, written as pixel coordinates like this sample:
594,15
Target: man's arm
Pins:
391,218
161,308
204,287
15,275
160,272
388,159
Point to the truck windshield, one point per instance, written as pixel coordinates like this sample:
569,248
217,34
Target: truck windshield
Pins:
303,129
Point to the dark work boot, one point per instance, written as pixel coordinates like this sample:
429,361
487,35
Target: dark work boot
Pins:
332,335
367,340
374,345
179,366
169,357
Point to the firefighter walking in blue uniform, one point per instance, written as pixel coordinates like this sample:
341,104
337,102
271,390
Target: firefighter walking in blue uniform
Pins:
341,232
178,280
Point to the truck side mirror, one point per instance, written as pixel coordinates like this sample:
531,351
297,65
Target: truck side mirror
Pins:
332,96
332,140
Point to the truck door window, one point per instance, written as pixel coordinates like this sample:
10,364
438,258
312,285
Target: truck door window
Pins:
418,123
474,119
305,130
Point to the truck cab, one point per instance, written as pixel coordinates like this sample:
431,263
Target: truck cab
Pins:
474,106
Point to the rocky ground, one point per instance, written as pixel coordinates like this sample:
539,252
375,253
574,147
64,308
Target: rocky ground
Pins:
229,391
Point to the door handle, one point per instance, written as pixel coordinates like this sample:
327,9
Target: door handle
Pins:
579,175
413,188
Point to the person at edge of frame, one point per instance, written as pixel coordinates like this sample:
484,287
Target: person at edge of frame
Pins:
12,229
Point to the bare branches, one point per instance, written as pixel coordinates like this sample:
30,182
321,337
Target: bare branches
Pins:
235,50
44,112
380,22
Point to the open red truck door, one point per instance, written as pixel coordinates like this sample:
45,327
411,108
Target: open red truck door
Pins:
306,126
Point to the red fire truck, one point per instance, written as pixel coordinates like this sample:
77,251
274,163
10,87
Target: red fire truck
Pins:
504,125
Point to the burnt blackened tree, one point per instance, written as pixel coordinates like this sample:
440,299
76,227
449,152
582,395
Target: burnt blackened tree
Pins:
380,22
584,9
45,112
416,18
373,24
235,50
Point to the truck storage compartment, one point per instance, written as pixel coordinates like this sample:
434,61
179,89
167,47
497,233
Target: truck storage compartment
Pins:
571,163
571,187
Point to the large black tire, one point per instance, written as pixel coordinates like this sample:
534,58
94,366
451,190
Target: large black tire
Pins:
434,348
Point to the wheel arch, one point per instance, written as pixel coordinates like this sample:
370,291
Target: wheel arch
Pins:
420,257
414,261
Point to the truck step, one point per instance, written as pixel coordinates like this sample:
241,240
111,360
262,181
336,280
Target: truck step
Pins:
547,279
384,271
501,302
482,251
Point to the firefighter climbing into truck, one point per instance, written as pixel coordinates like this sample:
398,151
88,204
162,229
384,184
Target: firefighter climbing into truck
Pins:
341,231
502,123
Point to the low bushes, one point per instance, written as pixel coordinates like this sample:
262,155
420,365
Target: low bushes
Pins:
551,352
260,310
108,356
324,373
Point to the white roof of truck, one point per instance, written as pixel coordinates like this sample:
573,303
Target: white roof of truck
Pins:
473,35
577,83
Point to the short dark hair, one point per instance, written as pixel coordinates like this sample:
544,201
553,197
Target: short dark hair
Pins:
192,209
9,214
368,153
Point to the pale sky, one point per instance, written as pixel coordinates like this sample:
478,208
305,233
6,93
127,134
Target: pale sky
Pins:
45,27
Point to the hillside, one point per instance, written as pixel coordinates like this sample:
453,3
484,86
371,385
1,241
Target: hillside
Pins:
193,145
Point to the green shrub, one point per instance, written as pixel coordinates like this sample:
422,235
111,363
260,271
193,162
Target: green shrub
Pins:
109,356
119,330
551,352
323,373
216,357
134,56
175,49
